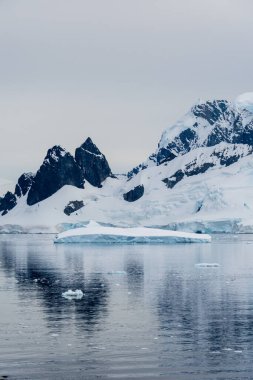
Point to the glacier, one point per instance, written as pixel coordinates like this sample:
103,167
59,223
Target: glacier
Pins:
95,233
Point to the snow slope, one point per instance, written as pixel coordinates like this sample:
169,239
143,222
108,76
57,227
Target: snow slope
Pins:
219,200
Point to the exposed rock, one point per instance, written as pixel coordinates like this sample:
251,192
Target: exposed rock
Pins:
134,194
73,206
174,179
7,203
59,168
207,124
24,184
93,163
212,111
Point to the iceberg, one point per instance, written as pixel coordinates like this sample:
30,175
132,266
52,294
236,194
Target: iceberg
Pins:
95,233
207,265
73,294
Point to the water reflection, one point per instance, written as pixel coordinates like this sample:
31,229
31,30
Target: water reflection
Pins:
147,311
43,280
134,268
203,311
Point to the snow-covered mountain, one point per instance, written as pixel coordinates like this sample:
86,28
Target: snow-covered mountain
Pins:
200,178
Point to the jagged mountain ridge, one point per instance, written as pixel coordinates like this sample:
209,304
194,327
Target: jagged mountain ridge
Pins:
59,168
193,176
206,124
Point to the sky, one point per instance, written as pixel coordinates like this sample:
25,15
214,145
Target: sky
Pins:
119,71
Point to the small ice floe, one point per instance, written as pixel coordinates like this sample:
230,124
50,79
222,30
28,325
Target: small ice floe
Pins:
117,272
249,242
207,265
238,351
73,294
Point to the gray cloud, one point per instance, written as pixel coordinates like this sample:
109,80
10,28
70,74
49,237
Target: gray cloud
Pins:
118,71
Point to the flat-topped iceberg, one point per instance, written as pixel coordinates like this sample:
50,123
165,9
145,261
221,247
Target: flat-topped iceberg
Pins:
95,233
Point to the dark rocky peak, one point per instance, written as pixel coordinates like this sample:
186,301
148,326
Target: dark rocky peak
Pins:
59,168
24,184
212,111
93,163
54,154
90,147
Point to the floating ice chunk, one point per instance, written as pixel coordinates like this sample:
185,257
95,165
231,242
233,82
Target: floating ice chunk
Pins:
95,233
117,272
73,294
207,265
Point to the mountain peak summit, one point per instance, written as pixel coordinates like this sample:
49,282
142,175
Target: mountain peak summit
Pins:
90,147
93,163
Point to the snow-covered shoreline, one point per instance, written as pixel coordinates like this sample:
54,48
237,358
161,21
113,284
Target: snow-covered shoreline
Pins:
221,226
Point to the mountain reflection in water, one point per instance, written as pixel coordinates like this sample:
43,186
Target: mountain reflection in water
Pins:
147,311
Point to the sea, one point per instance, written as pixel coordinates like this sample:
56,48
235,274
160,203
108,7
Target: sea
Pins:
177,312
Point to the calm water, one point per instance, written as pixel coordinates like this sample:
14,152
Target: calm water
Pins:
160,316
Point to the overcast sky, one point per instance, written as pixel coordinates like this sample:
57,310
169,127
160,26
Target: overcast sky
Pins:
119,71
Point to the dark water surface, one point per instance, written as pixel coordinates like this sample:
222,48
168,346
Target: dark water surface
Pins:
160,316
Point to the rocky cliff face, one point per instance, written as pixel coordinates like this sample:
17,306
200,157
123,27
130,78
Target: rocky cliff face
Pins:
93,163
59,168
24,184
7,203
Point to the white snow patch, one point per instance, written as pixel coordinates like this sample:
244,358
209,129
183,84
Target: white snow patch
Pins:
245,101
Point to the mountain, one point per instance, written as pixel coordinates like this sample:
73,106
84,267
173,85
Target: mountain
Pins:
207,124
59,168
200,178
93,163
